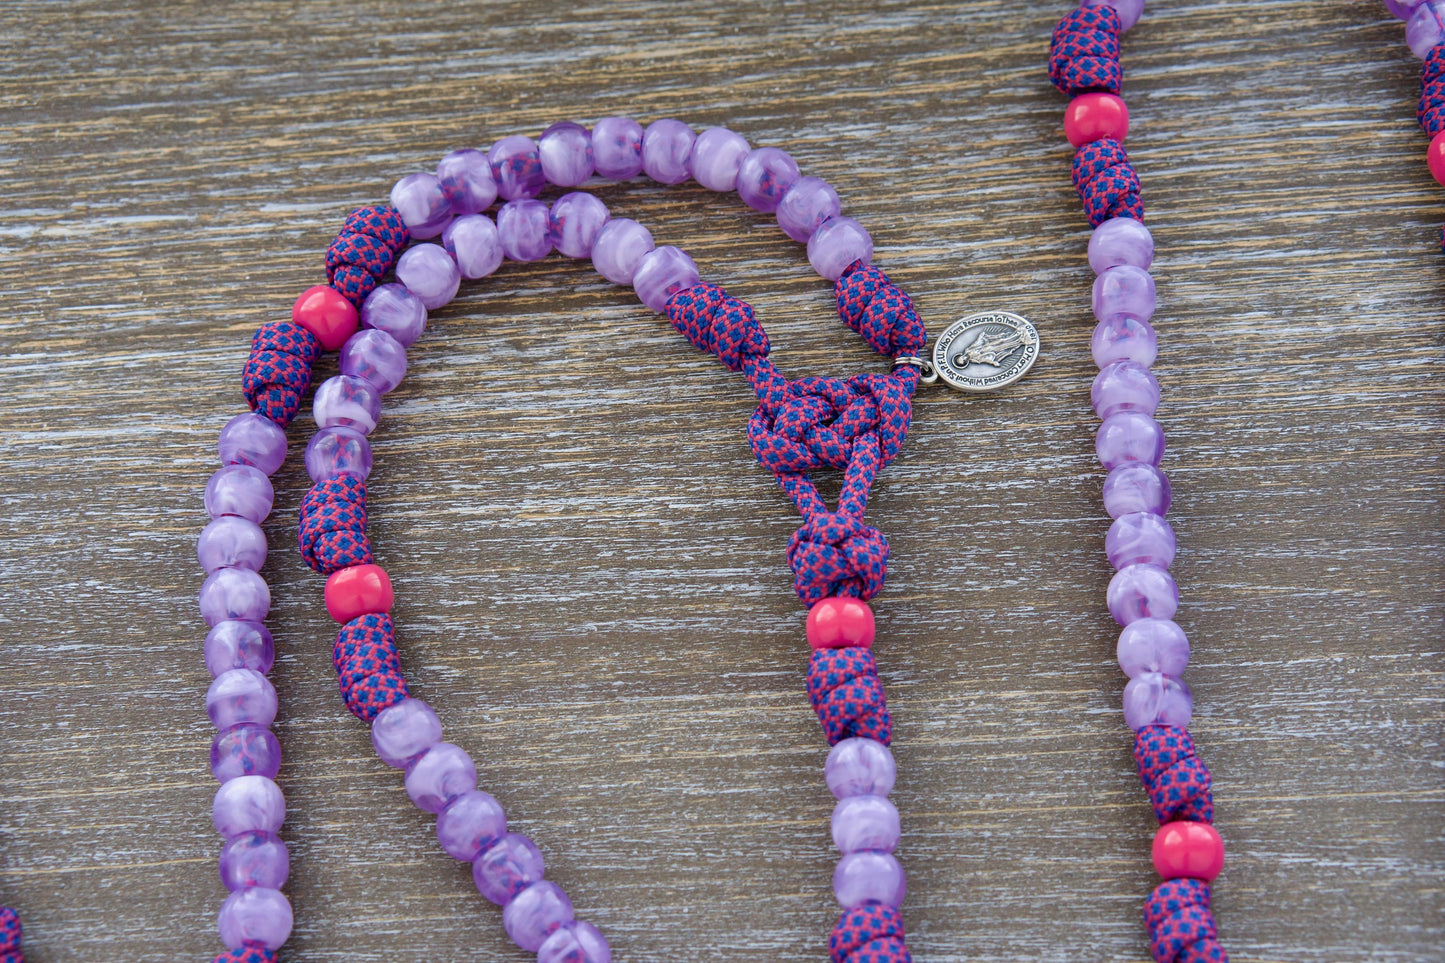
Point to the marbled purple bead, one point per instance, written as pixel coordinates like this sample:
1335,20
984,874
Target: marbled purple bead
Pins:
620,246
522,227
255,915
869,878
1136,487
473,242
439,775
1120,240
506,867
865,823
566,152
517,167
575,221
239,490
764,176
423,206
1140,537
661,274
429,272
347,401
1129,436
535,914
666,146
466,181
241,697
837,243
805,206
234,593
231,542
859,767
248,804
234,644
376,358
255,440
1153,645
395,310
1129,10
255,859
245,750
1125,386
1425,29
1401,9
575,942
469,824
1156,699
617,147
1122,338
1125,290
717,153
1142,592
333,452
404,731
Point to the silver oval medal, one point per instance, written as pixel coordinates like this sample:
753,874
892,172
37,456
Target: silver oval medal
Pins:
986,351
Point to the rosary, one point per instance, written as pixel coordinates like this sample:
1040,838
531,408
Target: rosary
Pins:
856,425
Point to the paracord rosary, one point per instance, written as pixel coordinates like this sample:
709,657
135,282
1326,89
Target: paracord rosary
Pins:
856,425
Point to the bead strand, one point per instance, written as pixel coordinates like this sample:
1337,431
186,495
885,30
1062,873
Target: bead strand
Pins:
1142,596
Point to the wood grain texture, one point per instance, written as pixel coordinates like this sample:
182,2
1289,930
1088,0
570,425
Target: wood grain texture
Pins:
592,588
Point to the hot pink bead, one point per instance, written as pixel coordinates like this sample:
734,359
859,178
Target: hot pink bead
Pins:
1091,117
1435,157
1188,850
357,590
839,622
325,313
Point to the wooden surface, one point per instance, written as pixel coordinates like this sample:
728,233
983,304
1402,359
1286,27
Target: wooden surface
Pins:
590,567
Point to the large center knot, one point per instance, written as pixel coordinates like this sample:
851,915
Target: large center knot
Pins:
820,420
837,554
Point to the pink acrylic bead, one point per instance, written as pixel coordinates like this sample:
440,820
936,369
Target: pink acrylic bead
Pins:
357,590
325,313
1095,116
1188,850
840,621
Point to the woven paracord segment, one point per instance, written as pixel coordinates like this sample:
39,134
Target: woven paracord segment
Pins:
1176,779
353,282
333,524
844,691
881,951
10,931
250,953
382,223
833,554
365,646
360,250
368,697
1431,112
1106,182
1084,52
718,323
859,926
1181,925
879,311
278,370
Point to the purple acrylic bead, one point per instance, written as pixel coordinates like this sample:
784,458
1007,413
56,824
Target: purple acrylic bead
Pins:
429,272
620,246
234,644
522,227
248,804
535,914
395,310
1125,386
346,401
1129,436
255,915
404,731
517,167
1425,30
333,452
234,593
231,542
1120,240
575,942
466,181
255,859
376,358
1122,338
1129,10
241,697
717,153
661,274
473,242
837,243
1156,699
1153,645
439,775
859,767
239,490
865,823
574,223
1401,9
1140,537
666,147
245,750
764,176
617,147
507,867
805,206
469,824
869,878
422,204
566,152
1142,592
1136,487
1126,290
253,439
